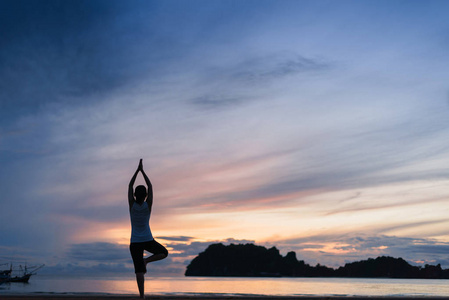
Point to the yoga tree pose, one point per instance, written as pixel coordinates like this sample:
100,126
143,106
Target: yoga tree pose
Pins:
140,203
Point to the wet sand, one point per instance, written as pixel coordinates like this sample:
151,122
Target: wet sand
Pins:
169,297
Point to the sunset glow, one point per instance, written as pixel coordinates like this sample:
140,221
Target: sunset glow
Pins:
314,126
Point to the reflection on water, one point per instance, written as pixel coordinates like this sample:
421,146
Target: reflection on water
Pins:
260,286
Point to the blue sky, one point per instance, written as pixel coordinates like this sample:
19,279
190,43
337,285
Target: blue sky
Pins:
315,126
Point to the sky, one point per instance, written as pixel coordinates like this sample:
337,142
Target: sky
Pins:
319,127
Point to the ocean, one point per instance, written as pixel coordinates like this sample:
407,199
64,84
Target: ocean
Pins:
232,286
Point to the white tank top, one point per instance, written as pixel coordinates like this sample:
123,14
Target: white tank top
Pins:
140,223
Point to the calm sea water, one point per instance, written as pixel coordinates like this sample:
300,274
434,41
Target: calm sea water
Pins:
233,286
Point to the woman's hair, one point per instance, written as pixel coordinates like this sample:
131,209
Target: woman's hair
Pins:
140,191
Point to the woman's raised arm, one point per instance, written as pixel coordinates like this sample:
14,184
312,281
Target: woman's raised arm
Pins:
149,187
131,185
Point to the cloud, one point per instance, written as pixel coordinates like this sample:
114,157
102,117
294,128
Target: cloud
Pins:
264,69
102,212
99,252
18,254
176,238
217,102
334,250
187,250
221,86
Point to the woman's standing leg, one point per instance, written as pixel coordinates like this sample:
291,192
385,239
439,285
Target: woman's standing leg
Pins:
140,277
139,266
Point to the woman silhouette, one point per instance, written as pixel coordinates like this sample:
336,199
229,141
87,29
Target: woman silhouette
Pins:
141,237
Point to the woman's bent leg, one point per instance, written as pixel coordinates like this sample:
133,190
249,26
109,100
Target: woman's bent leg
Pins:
155,257
159,251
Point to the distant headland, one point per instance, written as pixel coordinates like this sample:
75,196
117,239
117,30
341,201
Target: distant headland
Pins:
250,260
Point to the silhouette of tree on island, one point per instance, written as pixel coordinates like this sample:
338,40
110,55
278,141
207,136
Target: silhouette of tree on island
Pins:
256,261
140,203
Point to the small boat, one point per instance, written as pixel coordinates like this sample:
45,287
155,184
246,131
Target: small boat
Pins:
24,278
26,274
5,275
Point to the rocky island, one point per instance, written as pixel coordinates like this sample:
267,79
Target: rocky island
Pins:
250,260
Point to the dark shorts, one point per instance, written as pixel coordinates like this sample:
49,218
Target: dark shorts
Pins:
137,253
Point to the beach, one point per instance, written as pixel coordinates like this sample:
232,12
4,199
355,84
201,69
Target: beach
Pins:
203,288
207,297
